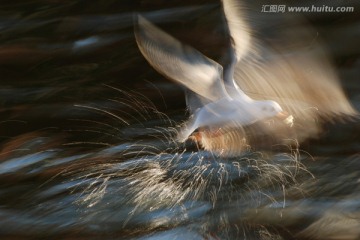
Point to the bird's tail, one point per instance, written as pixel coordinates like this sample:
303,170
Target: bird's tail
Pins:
186,130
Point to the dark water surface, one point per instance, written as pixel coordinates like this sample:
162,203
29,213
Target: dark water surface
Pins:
86,129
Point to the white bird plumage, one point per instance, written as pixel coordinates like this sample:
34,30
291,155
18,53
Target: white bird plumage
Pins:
217,101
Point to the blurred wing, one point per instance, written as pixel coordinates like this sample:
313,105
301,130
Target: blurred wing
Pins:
179,62
305,86
238,28
240,46
304,83
295,72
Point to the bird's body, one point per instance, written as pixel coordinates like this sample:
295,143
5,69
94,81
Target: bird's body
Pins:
229,113
217,114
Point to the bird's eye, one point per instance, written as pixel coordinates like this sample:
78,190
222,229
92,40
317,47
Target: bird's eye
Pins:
264,108
272,109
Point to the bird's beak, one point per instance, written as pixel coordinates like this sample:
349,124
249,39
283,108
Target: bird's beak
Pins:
286,118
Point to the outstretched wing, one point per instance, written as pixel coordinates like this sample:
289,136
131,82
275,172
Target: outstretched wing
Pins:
239,30
297,74
179,62
294,71
240,45
304,84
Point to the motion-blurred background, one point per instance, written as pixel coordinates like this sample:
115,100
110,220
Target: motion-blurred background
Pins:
76,93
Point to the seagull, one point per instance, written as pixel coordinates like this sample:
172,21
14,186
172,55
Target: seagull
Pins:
278,89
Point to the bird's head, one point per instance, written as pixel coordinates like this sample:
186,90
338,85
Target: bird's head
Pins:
270,109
